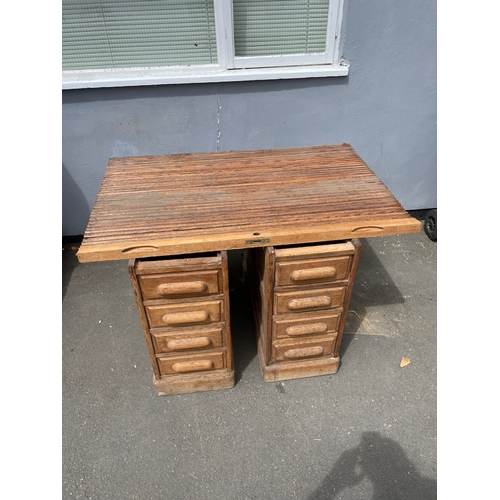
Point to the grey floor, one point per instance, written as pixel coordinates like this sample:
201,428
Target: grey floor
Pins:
367,432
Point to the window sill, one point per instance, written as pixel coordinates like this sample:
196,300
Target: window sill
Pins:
204,74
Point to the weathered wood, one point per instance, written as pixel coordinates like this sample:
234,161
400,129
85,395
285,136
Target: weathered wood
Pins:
226,311
184,313
315,323
194,382
166,205
166,340
143,317
285,302
298,369
192,362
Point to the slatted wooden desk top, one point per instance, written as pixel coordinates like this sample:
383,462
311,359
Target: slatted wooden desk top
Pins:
187,203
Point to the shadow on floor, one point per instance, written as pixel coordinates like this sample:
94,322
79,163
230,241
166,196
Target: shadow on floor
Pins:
69,263
383,462
373,287
242,326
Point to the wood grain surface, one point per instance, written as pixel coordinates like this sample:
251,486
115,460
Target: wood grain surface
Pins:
185,203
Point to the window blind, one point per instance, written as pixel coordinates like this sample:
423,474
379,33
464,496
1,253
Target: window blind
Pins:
279,27
100,34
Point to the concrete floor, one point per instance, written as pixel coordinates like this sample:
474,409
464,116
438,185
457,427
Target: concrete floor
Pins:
367,432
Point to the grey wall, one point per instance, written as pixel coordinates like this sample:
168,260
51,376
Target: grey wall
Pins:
385,108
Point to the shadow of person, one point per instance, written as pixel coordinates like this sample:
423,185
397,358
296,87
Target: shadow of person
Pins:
384,463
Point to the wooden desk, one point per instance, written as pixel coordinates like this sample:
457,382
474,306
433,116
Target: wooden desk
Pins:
176,216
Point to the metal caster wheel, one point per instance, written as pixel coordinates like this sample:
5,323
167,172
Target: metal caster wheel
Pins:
430,224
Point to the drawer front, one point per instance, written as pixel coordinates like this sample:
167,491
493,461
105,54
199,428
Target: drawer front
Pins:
300,351
310,300
192,363
184,314
309,271
176,285
293,328
192,339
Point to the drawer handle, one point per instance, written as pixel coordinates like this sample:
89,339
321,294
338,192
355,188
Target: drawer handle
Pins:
186,318
373,229
311,329
182,287
309,303
313,274
195,343
146,248
193,366
306,352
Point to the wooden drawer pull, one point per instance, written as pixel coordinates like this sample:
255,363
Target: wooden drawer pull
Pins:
306,352
195,343
186,318
313,274
181,288
193,366
311,329
309,303
368,228
148,248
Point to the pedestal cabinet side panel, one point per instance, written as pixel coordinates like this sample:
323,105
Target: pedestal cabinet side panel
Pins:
226,306
143,316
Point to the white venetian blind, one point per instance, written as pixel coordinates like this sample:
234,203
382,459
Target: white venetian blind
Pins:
279,27
100,34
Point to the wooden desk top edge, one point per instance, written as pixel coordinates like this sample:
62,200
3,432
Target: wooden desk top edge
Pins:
144,205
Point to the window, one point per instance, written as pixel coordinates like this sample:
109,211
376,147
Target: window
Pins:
152,42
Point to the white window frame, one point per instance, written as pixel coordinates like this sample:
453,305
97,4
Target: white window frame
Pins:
230,68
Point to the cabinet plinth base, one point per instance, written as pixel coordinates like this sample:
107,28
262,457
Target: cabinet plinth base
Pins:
298,369
184,384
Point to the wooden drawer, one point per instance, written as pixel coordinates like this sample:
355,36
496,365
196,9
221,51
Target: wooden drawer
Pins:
195,338
309,271
307,349
177,285
311,325
185,313
191,363
309,300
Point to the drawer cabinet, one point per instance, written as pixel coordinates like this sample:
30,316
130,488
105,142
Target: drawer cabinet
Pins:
300,297
184,308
